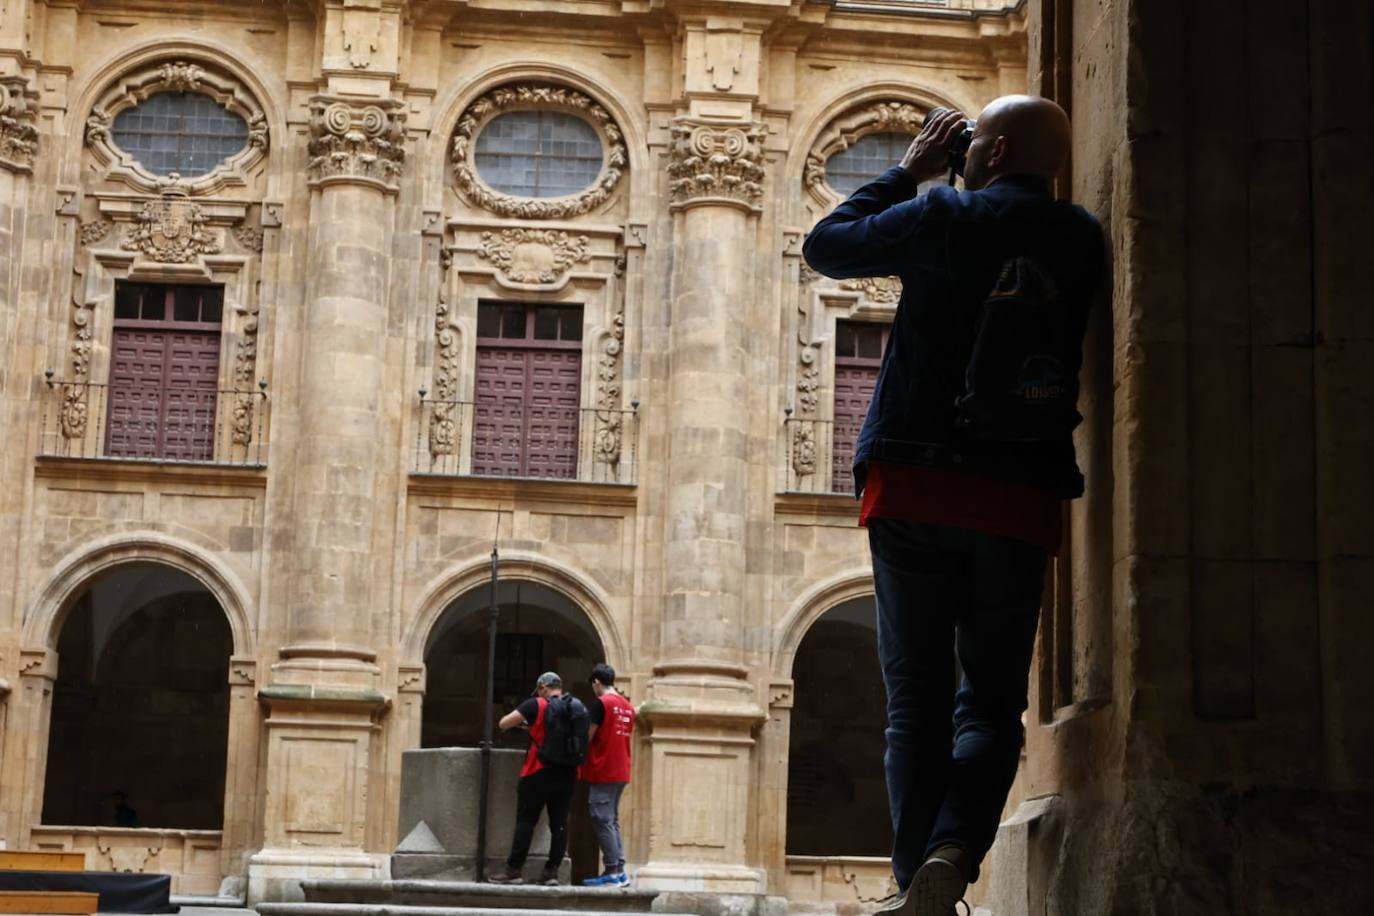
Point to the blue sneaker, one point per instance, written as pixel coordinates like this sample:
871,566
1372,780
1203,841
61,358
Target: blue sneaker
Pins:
619,879
598,881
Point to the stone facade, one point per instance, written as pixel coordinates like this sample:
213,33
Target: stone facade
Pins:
338,516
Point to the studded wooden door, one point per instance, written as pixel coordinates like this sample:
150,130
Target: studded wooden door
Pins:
164,373
527,391
858,356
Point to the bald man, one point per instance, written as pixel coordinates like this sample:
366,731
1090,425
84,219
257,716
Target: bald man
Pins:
961,494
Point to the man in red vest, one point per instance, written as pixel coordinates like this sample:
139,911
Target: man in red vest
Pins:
607,772
541,787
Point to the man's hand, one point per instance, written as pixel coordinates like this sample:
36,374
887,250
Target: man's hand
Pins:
928,154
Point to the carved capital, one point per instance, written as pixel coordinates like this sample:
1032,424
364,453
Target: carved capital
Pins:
18,116
716,164
355,141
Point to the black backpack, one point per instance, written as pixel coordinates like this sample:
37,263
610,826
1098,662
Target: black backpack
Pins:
1021,380
566,723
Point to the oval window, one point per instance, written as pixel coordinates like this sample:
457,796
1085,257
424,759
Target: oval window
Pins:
184,132
538,154
870,156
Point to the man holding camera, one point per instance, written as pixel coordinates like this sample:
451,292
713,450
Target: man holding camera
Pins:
964,459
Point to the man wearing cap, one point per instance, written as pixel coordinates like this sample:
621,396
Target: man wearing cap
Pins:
607,772
541,787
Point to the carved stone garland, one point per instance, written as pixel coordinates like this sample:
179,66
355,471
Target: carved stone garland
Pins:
18,113
350,141
443,432
176,76
808,383
529,96
609,430
879,290
716,162
73,418
873,118
540,256
171,229
245,367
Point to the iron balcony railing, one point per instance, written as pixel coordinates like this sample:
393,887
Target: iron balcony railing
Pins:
816,462
167,423
523,440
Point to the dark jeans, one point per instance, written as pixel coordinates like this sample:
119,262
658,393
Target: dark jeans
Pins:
550,788
951,760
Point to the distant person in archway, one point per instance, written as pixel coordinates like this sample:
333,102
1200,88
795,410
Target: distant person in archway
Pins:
607,772
558,726
964,459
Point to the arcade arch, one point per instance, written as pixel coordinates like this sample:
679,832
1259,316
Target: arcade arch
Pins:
139,729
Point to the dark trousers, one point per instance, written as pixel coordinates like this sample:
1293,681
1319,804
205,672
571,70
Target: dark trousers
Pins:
951,758
551,789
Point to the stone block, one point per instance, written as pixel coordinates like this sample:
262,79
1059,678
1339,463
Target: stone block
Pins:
439,808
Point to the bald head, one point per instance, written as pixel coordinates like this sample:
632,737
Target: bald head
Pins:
1017,135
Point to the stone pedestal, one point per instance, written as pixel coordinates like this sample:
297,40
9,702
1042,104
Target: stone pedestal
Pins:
438,819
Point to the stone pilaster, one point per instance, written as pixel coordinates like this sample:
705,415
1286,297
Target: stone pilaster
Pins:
702,710
324,698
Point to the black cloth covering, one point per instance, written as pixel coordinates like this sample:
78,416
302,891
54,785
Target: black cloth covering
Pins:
119,892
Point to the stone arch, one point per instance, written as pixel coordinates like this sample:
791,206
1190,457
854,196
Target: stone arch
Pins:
45,616
809,607
577,587
450,108
851,98
107,72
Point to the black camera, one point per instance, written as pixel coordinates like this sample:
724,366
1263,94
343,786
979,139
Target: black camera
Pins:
958,150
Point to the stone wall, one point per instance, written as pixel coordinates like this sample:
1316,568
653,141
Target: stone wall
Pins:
1203,737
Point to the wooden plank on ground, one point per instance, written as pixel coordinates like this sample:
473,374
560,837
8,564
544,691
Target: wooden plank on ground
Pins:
74,902
41,860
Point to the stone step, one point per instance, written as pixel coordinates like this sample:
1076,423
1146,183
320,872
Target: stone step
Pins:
471,894
392,909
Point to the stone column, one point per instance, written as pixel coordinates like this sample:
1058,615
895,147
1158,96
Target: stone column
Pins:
323,697
702,709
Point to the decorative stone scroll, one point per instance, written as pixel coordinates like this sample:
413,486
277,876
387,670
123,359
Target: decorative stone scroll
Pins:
533,256
892,116
73,417
177,76
352,141
18,114
519,97
879,290
171,229
716,163
245,367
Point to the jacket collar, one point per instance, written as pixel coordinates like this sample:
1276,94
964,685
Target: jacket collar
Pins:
1020,186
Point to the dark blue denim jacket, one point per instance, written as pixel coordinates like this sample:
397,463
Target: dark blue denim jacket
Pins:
948,246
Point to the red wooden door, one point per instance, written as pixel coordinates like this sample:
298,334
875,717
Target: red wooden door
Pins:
527,392
858,356
164,374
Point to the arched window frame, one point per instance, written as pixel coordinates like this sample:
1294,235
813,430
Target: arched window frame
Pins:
533,97
176,76
882,117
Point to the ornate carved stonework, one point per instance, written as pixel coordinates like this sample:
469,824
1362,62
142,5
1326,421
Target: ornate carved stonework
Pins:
353,141
529,96
177,76
880,290
171,229
249,237
609,431
18,114
74,393
804,449
443,431
889,116
245,367
94,231
533,255
716,163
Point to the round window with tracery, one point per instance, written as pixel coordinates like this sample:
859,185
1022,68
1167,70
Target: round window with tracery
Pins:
538,154
188,133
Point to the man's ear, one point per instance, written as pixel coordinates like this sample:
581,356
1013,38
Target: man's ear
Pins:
999,153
